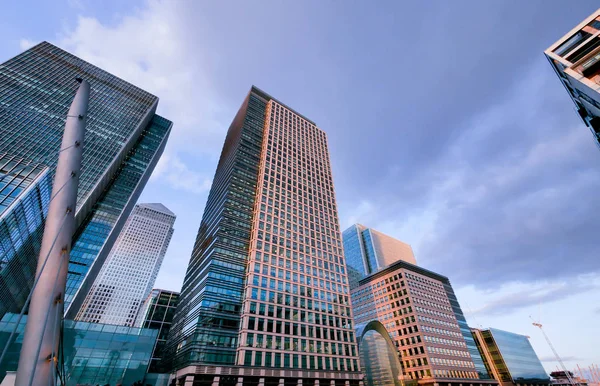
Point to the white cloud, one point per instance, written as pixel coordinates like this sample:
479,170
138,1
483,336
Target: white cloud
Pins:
177,174
26,44
152,50
531,295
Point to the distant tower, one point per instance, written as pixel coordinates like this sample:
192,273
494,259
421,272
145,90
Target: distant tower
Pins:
128,275
368,251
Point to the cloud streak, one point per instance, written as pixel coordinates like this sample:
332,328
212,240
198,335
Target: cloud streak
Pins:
514,296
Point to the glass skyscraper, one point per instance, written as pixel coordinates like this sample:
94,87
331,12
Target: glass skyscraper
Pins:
368,251
25,189
157,313
509,357
576,60
266,297
129,272
123,142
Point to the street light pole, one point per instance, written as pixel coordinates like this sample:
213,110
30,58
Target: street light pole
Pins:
39,353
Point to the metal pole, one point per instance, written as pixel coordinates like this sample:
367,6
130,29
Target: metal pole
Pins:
39,351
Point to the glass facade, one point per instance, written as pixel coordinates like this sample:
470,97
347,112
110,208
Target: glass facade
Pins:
130,270
367,251
465,331
379,357
157,313
25,190
370,253
266,285
93,353
96,235
123,141
354,251
510,357
206,325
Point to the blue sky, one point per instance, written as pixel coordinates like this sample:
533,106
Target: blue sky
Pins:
447,127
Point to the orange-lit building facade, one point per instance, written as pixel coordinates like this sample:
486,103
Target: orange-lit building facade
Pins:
576,60
420,311
266,299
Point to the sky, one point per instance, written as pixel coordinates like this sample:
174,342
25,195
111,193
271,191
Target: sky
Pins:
447,129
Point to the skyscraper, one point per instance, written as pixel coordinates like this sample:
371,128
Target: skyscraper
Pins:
129,272
157,313
421,313
266,295
123,142
576,60
368,251
25,189
509,357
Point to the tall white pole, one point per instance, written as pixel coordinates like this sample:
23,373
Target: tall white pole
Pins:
39,353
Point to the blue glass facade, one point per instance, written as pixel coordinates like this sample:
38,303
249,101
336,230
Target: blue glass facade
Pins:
510,357
379,359
99,230
25,190
123,141
206,325
354,250
93,353
157,313
465,330
371,256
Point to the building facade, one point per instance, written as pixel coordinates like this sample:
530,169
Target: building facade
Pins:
510,358
129,272
94,354
266,293
379,356
422,315
368,251
157,313
576,60
123,142
25,190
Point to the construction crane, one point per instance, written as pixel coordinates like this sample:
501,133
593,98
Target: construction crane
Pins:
564,368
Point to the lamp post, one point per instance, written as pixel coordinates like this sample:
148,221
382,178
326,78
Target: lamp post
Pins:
39,353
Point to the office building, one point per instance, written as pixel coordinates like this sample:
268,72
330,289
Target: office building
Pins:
123,142
576,60
129,272
94,354
25,190
421,313
157,313
368,251
265,297
510,358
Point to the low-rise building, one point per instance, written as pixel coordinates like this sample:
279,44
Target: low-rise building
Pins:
93,353
510,358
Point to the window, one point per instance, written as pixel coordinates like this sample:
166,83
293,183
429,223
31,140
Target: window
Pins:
571,43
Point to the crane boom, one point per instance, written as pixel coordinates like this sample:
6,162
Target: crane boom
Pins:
567,374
